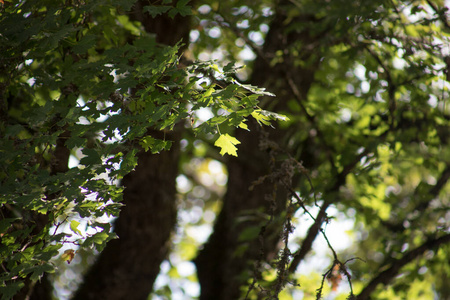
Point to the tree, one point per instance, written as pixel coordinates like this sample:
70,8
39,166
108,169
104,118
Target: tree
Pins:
358,130
106,94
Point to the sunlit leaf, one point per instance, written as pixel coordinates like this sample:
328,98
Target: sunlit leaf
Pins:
74,227
227,143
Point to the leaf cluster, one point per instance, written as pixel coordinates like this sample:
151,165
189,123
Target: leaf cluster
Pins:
84,81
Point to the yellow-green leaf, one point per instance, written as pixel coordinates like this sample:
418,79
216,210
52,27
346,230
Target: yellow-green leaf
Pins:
243,126
215,68
227,144
208,92
261,118
74,227
264,116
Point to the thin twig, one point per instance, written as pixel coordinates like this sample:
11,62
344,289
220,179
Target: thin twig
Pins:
59,224
238,33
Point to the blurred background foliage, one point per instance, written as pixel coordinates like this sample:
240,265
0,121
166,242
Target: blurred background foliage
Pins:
371,132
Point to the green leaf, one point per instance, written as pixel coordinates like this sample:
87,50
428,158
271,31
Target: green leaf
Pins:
208,92
11,289
155,145
99,240
92,157
86,42
39,270
227,144
156,10
6,223
182,8
74,227
160,113
14,130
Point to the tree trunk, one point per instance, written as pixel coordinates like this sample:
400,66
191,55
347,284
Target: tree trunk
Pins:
223,269
128,266
42,289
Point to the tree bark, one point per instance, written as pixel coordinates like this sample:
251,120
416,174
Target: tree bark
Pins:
42,289
128,266
223,270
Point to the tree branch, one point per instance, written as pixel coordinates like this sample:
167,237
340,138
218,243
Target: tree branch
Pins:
388,275
391,85
445,176
321,215
441,17
422,205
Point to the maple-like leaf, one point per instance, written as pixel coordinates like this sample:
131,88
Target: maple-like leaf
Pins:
227,144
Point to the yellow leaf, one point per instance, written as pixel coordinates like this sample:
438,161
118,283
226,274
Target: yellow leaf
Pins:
243,125
226,143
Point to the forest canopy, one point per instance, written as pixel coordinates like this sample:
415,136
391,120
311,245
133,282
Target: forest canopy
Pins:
236,149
